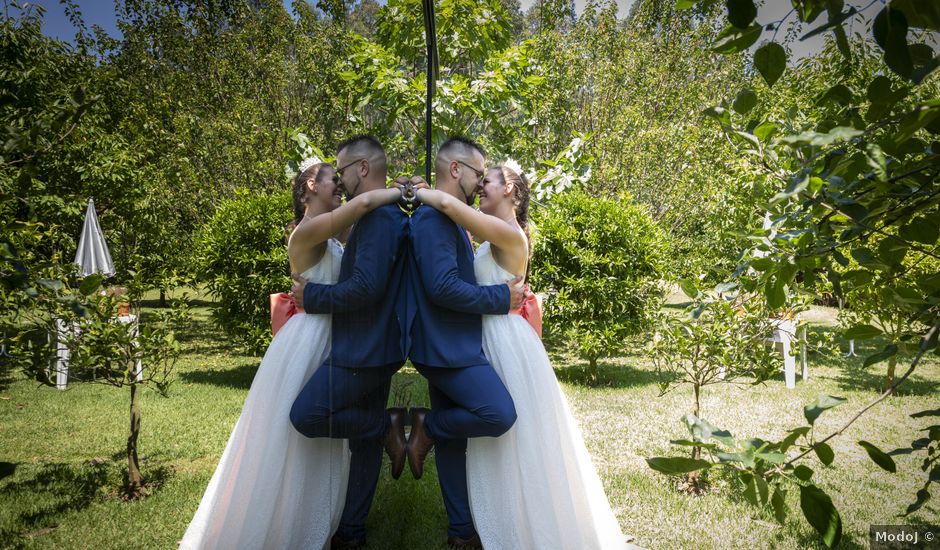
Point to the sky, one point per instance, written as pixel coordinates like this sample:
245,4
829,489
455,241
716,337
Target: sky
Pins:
101,13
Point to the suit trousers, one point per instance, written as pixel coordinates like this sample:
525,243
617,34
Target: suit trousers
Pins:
465,402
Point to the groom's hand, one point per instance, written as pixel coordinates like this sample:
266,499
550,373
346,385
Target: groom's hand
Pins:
517,292
297,290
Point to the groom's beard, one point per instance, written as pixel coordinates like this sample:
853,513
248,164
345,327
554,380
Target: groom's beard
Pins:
351,192
471,198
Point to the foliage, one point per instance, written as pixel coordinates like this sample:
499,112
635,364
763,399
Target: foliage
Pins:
484,88
930,446
601,262
617,81
764,472
880,302
718,339
859,176
83,318
242,259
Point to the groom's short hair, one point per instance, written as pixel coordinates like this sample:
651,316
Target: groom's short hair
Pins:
365,146
459,147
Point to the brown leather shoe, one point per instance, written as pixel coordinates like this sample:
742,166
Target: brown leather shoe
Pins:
339,543
419,442
395,444
472,542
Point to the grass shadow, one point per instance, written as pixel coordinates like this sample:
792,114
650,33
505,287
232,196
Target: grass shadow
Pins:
852,375
193,302
38,499
7,469
239,377
201,336
6,373
608,375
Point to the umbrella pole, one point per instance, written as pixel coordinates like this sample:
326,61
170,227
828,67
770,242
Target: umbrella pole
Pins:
430,36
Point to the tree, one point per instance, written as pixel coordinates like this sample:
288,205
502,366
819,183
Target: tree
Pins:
600,261
858,177
718,340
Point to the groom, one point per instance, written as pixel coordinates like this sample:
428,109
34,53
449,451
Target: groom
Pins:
346,397
468,399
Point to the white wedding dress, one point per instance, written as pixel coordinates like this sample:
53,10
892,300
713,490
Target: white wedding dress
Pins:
535,486
274,488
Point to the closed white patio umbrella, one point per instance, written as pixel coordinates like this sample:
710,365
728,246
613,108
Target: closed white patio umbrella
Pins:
92,255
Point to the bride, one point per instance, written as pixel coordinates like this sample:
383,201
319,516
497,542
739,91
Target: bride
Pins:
535,486
274,488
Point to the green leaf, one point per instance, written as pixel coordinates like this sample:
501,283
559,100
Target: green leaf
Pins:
685,4
922,14
720,114
773,458
745,101
890,351
842,42
913,121
879,90
791,437
778,502
798,184
808,10
839,94
689,288
764,130
676,465
51,284
833,21
879,457
890,30
822,514
803,472
920,230
90,284
774,293
770,61
862,332
724,437
822,404
741,12
734,40
824,452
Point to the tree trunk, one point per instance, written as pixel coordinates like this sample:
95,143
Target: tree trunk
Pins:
592,369
133,464
162,297
889,378
692,478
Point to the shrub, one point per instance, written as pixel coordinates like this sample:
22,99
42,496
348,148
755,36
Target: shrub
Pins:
242,258
600,261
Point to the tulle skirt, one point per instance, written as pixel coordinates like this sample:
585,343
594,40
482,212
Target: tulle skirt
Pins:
274,488
535,486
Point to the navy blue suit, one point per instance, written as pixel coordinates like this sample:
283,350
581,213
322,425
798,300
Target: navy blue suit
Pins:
468,399
346,397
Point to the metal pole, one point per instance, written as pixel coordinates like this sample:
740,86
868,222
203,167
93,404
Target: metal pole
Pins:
430,35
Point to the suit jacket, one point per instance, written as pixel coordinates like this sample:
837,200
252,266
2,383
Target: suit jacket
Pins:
444,319
368,327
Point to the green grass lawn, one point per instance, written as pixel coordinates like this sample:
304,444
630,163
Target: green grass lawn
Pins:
62,454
